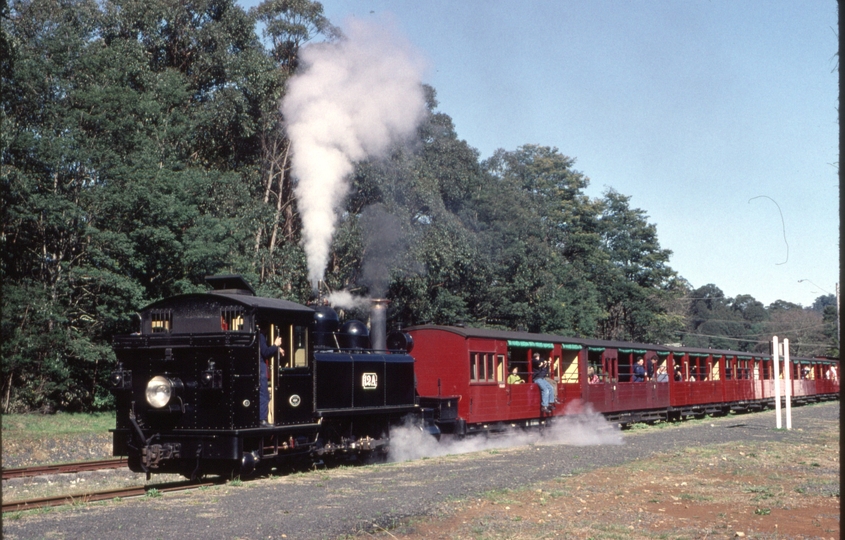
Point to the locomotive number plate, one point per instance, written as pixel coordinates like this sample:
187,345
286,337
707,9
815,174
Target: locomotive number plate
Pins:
369,381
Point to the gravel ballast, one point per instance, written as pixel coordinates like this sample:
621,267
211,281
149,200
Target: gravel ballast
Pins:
349,500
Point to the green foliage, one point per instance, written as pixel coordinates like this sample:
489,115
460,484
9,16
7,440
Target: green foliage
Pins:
743,323
143,149
131,169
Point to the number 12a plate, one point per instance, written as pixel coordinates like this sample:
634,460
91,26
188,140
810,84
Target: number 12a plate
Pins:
369,381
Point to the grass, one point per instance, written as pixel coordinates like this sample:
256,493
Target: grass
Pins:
30,426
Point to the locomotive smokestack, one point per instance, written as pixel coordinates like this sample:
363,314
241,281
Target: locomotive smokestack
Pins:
378,324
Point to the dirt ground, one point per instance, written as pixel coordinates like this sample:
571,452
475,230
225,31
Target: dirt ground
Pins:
761,490
773,490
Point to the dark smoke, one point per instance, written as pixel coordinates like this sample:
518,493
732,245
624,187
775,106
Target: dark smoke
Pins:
384,248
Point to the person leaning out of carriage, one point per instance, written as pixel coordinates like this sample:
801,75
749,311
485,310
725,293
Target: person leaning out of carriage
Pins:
540,370
639,370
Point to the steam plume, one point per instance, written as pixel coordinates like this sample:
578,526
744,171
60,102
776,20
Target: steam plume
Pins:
353,99
346,300
580,426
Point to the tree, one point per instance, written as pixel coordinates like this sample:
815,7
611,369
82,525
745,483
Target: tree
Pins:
529,219
131,170
803,327
637,280
435,271
822,302
288,25
712,319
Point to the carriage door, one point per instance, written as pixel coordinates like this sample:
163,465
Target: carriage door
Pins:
611,362
599,392
293,391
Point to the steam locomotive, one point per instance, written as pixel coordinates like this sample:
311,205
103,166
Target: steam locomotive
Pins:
188,383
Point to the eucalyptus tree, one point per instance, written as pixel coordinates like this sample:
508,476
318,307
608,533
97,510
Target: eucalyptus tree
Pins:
637,283
286,26
538,229
132,167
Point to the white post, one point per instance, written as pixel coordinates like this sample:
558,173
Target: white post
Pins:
787,381
775,362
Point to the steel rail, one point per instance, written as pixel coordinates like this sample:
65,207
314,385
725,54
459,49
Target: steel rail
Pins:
84,498
41,470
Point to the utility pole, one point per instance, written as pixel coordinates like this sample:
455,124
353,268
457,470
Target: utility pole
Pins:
775,363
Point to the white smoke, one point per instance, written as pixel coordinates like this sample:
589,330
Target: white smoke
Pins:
347,300
579,426
352,100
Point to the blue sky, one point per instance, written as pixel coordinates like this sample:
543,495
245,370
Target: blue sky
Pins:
692,108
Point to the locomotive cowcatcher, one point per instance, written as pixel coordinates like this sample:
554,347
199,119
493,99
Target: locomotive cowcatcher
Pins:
187,384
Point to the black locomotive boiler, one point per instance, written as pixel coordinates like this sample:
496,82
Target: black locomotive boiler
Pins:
187,384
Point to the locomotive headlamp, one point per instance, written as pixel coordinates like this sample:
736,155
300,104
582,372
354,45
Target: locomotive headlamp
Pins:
211,377
121,379
160,390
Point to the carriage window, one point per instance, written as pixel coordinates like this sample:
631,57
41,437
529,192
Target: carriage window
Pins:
694,371
625,367
232,318
161,320
484,367
806,372
568,366
713,369
596,361
685,369
491,373
516,359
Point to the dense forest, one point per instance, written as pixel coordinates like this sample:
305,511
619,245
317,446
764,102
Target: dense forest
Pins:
143,148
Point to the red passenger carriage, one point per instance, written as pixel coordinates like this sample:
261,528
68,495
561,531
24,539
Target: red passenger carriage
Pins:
463,373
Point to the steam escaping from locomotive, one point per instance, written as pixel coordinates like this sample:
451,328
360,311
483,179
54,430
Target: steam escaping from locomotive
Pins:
347,300
579,426
352,100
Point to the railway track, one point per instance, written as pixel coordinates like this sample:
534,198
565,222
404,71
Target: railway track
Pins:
80,466
84,498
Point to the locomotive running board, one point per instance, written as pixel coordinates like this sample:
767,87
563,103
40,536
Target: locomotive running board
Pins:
367,410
